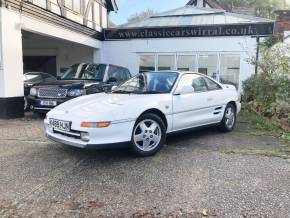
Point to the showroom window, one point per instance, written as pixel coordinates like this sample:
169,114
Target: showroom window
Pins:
208,65
147,63
186,62
166,62
230,69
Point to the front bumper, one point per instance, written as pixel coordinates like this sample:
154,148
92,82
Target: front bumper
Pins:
36,105
116,135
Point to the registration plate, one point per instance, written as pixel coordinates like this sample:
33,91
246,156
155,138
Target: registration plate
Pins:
48,103
60,125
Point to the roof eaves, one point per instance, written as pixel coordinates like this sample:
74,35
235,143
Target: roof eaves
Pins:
112,5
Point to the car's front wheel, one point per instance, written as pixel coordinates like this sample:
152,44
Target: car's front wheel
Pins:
230,118
148,135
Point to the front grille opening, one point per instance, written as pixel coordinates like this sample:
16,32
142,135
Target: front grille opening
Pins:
76,134
52,93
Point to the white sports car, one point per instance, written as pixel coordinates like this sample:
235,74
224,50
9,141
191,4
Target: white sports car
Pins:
143,110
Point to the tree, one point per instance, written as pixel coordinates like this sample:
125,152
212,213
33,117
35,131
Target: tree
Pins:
263,8
141,16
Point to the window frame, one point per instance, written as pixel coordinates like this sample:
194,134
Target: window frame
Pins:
148,54
163,55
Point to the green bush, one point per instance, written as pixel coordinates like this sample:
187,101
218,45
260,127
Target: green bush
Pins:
269,91
269,96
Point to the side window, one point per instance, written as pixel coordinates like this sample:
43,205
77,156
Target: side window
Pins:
194,80
127,74
186,80
211,85
199,84
90,72
116,73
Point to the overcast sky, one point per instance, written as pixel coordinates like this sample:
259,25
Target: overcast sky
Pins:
130,7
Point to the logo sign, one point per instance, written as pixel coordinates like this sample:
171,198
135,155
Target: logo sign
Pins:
257,29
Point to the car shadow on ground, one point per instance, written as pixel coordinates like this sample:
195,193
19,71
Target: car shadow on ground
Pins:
123,153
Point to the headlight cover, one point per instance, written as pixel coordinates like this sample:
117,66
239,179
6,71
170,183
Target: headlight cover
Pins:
33,91
75,92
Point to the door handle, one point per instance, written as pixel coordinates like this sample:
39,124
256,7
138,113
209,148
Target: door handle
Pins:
210,99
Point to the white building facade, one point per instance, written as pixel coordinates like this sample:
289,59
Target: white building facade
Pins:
46,35
51,35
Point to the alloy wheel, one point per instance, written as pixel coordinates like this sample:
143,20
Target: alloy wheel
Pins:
230,117
147,135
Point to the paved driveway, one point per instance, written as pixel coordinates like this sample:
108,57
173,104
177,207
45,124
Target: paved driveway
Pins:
199,174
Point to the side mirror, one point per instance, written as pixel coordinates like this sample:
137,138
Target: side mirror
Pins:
112,80
114,88
58,77
184,90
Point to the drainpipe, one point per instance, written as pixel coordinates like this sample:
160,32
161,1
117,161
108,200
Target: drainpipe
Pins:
257,54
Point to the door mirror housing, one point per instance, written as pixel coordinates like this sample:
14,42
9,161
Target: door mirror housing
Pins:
114,87
184,90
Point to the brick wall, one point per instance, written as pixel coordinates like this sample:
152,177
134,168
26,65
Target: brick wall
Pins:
282,22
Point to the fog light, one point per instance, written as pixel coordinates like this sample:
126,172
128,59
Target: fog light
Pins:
85,136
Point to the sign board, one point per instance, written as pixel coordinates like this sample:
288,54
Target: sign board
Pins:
256,29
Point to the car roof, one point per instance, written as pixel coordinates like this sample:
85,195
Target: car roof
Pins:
175,71
100,64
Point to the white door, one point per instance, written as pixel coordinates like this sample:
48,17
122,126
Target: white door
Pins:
197,108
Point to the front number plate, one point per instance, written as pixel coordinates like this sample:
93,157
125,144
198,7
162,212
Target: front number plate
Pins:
60,125
48,103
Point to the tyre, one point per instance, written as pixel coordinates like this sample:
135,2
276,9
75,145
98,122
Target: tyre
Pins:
149,135
41,114
26,105
229,120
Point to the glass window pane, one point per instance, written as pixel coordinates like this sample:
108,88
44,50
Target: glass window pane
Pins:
166,62
208,65
77,6
230,69
211,84
194,80
186,62
147,63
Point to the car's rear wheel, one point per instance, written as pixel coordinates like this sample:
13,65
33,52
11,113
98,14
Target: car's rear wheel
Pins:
230,118
148,135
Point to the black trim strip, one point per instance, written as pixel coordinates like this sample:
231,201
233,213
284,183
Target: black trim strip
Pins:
196,109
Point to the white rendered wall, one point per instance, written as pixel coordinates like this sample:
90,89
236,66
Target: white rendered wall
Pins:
46,29
11,66
126,53
80,49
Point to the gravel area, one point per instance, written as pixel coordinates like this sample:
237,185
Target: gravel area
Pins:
198,174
